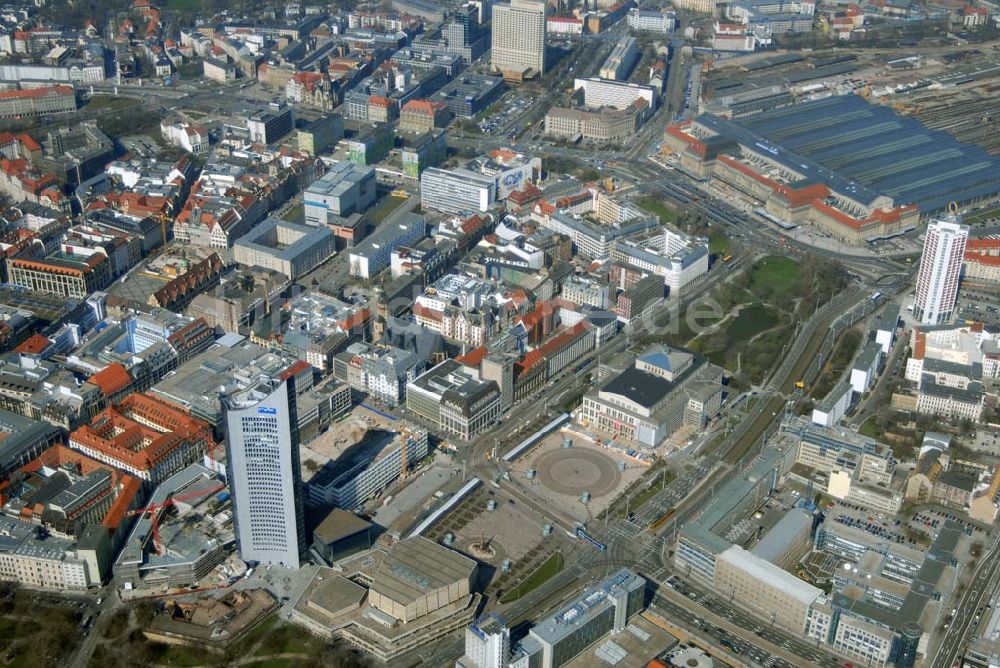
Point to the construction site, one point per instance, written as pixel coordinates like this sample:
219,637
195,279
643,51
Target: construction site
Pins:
182,535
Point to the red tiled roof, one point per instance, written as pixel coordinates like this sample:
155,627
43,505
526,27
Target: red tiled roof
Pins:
979,245
427,312
294,370
473,358
693,142
37,92
423,107
35,344
111,379
564,338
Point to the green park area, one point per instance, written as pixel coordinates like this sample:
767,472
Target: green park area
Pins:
843,352
272,642
759,308
538,577
35,630
184,6
658,208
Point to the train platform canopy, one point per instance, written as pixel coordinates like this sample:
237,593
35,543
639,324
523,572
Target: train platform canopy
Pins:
867,150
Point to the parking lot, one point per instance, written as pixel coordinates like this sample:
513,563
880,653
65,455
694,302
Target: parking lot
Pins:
879,525
510,107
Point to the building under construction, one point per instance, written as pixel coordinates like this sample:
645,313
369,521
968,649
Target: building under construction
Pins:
184,532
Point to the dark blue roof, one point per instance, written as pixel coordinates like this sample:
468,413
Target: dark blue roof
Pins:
869,150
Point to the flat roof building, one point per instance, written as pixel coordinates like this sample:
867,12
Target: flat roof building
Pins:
417,577
373,254
344,190
452,401
284,247
607,607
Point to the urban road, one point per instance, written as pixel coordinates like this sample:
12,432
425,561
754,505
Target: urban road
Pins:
970,607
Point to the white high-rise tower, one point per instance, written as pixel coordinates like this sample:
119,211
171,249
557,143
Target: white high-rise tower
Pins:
262,445
487,644
940,270
519,36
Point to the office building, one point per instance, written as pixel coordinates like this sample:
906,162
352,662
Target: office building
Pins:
464,34
604,125
321,135
677,257
764,588
375,253
470,94
642,20
365,471
487,644
423,151
622,59
456,190
372,145
37,101
264,473
272,124
605,608
519,38
285,247
453,401
23,439
344,190
599,93
940,271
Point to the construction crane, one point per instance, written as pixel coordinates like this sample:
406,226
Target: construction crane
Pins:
155,509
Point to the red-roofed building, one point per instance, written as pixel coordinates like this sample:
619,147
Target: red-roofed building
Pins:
56,99
114,381
423,116
539,323
568,346
144,436
522,200
36,346
23,182
382,109
982,262
313,89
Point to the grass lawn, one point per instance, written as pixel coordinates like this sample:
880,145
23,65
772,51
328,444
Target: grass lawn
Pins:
184,5
382,210
538,577
181,655
751,321
775,273
980,216
297,214
870,429
109,103
719,244
658,208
